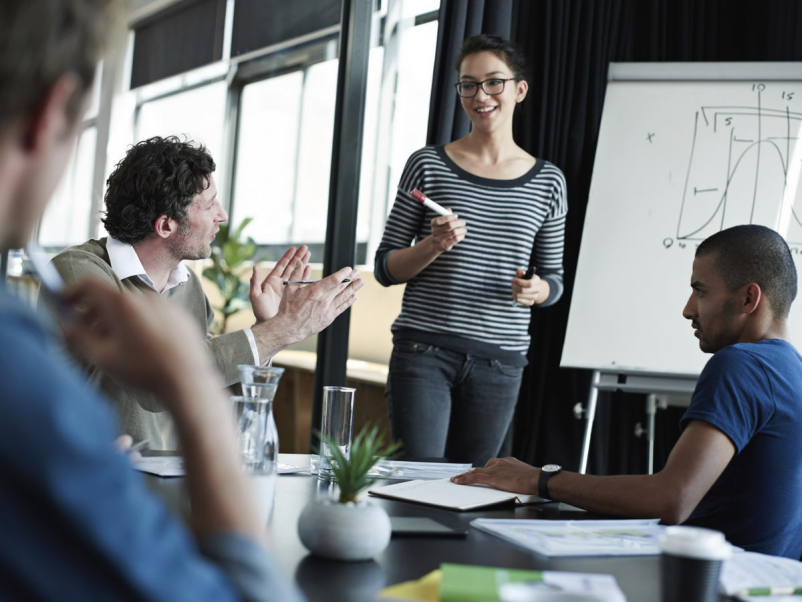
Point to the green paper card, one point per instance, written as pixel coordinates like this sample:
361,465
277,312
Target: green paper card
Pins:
466,583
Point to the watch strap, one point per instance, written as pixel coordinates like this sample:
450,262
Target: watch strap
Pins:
543,482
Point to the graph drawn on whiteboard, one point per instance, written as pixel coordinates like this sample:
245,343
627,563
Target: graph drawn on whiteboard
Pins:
744,167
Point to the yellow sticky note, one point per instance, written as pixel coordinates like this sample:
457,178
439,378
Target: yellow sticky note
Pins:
425,589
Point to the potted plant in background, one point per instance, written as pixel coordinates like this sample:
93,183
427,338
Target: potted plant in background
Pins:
349,528
229,252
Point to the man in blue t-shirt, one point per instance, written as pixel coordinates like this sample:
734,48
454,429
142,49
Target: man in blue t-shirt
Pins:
77,522
738,465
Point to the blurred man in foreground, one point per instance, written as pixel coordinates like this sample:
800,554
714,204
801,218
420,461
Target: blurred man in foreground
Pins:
77,521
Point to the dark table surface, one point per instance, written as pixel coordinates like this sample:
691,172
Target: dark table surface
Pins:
411,558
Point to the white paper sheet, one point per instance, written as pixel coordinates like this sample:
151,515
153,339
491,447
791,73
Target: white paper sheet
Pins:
749,569
603,587
578,538
445,494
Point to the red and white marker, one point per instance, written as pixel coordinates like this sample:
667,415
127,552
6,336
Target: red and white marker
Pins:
419,196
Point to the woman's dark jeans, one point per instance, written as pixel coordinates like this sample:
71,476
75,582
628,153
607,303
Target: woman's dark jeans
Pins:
447,404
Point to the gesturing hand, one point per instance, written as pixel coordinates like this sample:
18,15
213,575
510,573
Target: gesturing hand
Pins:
447,231
307,309
266,296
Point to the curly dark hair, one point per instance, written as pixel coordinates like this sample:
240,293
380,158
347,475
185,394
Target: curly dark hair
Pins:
158,176
508,51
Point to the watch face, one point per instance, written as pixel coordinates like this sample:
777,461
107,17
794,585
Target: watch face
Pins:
551,468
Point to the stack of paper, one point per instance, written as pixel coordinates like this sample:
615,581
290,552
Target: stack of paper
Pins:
393,469
578,537
752,576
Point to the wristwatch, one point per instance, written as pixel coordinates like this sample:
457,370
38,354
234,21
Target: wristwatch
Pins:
546,472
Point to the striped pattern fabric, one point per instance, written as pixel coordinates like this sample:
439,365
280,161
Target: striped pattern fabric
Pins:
466,292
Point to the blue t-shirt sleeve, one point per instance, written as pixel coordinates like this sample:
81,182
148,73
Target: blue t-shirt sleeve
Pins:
75,516
734,394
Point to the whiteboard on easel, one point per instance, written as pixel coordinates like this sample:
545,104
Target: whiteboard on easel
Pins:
685,150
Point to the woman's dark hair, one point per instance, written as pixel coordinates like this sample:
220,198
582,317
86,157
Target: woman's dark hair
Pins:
158,176
507,51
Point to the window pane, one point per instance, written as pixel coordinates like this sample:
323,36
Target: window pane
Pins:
412,8
267,148
401,130
370,134
94,104
415,66
198,114
66,220
314,158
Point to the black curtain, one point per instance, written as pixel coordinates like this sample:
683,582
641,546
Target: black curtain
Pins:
569,44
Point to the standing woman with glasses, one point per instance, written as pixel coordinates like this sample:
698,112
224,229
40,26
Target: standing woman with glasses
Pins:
460,342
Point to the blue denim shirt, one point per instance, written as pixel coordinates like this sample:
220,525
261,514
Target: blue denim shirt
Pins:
77,521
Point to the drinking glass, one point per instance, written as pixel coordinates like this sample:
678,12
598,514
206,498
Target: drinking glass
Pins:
338,423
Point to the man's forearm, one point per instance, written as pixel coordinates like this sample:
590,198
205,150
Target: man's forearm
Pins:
219,492
272,336
632,496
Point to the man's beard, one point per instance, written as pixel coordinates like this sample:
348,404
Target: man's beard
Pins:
184,248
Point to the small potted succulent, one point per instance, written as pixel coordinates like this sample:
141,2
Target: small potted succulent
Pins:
349,528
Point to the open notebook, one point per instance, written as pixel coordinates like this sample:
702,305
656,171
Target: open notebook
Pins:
445,494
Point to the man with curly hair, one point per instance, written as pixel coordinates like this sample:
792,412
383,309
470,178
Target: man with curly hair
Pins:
162,208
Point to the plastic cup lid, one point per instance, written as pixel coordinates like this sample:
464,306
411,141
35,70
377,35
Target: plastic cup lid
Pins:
695,542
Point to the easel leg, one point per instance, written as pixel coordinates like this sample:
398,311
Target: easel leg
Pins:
590,416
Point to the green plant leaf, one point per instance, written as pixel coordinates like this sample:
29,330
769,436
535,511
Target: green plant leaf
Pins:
229,252
243,224
368,447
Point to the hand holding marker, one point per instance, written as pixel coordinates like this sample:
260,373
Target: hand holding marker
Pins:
446,233
527,276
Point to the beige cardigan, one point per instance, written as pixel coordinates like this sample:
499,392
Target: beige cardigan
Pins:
140,414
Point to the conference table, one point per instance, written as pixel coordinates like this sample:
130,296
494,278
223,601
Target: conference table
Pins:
411,558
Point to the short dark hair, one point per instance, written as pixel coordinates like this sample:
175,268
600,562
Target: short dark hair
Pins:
42,40
752,253
158,176
506,50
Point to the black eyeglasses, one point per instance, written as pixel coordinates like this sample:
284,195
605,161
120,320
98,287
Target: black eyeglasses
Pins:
492,87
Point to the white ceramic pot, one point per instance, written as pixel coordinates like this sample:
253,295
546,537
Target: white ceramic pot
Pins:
344,531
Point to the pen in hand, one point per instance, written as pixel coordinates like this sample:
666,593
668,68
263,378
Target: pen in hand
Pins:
136,447
288,282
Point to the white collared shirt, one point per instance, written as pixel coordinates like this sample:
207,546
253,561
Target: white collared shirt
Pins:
125,263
